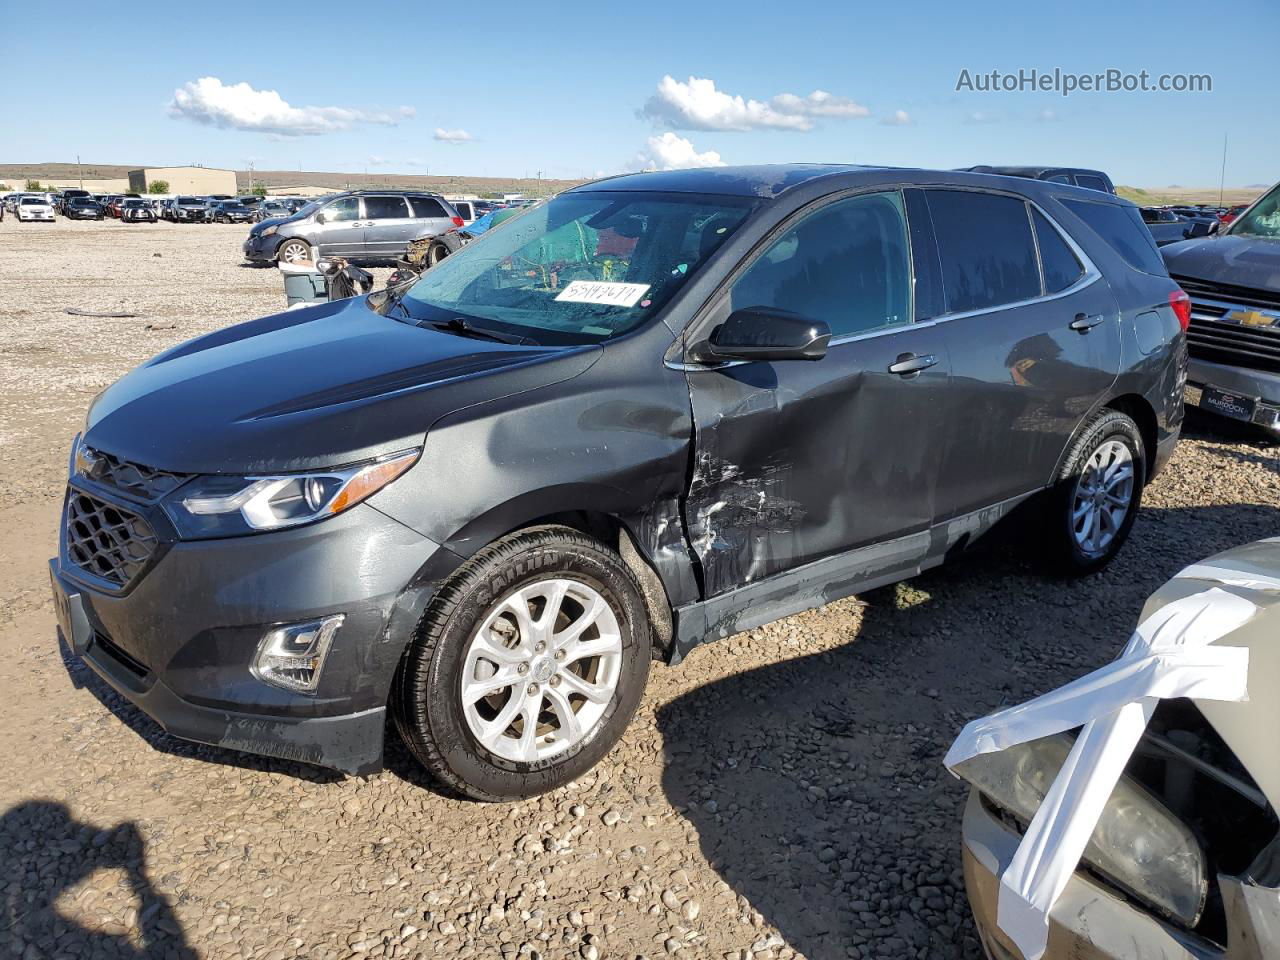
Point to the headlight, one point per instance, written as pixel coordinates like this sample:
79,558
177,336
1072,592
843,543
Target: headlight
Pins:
1138,844
223,506
270,230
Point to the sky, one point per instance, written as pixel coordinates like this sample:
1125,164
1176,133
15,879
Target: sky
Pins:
570,90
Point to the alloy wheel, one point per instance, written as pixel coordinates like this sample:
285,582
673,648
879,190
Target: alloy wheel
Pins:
540,672
1103,497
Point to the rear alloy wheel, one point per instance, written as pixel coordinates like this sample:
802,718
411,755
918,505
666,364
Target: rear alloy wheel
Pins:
294,251
1096,498
527,667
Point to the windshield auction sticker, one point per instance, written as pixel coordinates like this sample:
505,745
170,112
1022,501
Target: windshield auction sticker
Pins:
604,292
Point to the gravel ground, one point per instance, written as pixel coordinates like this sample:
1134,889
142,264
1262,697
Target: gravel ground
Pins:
779,795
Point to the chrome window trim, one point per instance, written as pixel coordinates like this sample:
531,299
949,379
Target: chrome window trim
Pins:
1090,276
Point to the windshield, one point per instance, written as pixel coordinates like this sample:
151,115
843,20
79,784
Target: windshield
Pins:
190,202
1263,220
581,268
32,202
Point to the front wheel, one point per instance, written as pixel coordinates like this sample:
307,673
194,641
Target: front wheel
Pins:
527,666
1095,501
294,251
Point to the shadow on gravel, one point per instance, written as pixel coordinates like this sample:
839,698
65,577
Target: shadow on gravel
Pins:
44,853
816,785
155,736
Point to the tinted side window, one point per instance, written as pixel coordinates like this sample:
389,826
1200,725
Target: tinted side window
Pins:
847,264
1123,228
386,208
425,208
984,242
464,209
1093,183
347,208
1059,178
1061,268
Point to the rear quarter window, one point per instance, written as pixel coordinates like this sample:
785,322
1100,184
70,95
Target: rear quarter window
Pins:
1122,228
425,208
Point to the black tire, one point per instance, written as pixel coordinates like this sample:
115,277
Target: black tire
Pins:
300,244
427,692
435,253
1064,552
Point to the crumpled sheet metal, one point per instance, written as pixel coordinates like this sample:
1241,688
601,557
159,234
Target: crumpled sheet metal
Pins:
1169,655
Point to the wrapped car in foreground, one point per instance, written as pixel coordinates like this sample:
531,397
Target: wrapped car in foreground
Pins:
1183,861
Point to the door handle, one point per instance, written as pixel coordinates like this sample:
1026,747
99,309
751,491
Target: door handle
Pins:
1083,323
908,364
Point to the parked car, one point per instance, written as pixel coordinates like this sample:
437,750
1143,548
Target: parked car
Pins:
1080,176
82,208
466,209
654,410
455,238
135,210
30,209
1229,215
364,226
1233,279
189,210
1167,227
273,210
230,211
1178,864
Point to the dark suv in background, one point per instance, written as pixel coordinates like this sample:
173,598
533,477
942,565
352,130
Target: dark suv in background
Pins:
366,226
654,410
1078,176
1233,278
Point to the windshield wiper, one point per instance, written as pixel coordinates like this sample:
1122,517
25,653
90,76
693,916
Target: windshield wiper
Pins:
461,325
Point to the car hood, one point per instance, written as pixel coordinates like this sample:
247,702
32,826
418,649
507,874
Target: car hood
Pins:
1241,261
310,388
261,225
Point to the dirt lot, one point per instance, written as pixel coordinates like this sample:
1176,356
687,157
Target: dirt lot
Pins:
780,794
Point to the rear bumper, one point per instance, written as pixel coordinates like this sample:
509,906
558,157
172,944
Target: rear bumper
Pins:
1260,385
1087,922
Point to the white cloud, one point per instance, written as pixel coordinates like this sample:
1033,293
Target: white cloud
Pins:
671,152
240,107
698,105
980,116
899,118
453,136
1047,115
376,161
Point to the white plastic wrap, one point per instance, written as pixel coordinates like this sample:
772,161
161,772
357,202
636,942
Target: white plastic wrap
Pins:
1169,655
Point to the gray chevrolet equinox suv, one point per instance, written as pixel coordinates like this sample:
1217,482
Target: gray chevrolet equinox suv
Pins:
654,410
363,226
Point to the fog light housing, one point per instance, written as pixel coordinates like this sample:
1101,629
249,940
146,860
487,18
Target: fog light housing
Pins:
292,655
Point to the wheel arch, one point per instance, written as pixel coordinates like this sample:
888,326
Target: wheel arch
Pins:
1138,409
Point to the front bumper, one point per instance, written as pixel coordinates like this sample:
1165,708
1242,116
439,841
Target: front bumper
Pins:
179,640
258,247
1258,385
1088,922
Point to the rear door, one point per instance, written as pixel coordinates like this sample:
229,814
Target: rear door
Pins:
798,460
1033,333
342,232
388,226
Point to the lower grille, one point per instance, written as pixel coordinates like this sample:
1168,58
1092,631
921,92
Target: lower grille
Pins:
106,540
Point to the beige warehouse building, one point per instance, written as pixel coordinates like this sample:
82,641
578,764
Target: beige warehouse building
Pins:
201,181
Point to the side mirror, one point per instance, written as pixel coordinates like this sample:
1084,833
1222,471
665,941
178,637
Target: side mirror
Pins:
319,217
764,333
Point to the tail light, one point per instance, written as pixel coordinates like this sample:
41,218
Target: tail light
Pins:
458,221
1181,304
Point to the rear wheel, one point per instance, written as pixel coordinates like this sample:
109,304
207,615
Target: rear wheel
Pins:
527,667
294,251
1093,505
435,253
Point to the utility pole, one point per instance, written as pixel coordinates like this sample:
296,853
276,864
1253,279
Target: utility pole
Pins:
80,171
1223,181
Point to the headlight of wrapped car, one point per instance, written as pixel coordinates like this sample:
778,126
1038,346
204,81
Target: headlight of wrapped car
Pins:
224,506
1138,844
269,231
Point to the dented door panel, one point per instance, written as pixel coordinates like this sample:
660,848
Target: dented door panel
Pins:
795,461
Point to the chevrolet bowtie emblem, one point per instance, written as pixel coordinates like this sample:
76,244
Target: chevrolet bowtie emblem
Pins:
1253,318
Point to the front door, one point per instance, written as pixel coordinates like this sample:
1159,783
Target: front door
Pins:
342,232
1034,341
799,460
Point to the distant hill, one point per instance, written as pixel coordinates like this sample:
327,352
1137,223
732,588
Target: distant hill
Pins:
1165,195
